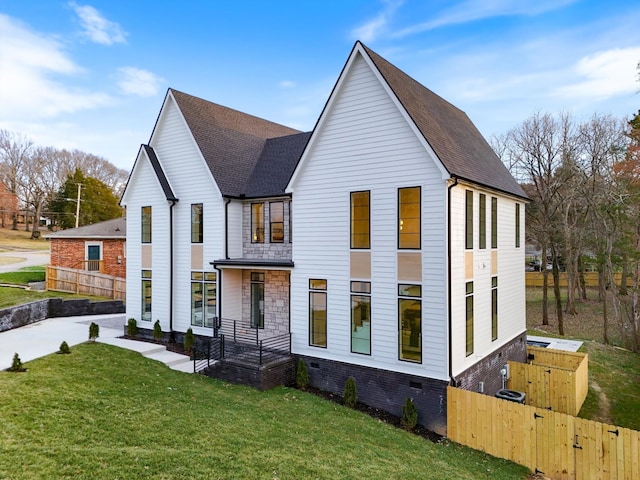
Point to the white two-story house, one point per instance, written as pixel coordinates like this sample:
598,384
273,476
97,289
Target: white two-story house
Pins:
385,245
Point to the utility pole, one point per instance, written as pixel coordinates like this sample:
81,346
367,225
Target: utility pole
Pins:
78,204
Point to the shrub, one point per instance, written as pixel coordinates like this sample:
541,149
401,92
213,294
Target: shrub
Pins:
157,330
94,331
409,417
16,365
132,327
350,395
302,375
64,347
189,341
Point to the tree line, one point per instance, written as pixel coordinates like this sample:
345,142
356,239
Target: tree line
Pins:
45,181
583,180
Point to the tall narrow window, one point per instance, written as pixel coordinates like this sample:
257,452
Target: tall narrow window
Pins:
276,221
469,318
146,224
494,222
361,317
146,296
517,225
257,223
203,299
468,220
494,308
318,313
410,322
257,299
290,222
482,221
360,220
409,224
196,223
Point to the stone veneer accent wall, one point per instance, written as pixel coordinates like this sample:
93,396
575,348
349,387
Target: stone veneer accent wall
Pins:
70,253
488,369
266,250
276,301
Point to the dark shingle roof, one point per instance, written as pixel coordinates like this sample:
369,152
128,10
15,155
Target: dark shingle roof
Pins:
116,228
275,166
162,178
230,141
453,137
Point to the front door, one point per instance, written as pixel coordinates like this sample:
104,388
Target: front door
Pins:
93,258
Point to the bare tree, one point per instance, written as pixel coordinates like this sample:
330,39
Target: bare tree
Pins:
15,152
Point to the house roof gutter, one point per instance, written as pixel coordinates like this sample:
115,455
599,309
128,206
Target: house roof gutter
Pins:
452,380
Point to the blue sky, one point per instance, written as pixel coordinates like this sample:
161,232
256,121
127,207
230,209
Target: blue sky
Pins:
92,75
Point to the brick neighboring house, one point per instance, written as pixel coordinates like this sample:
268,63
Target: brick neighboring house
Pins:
100,247
8,205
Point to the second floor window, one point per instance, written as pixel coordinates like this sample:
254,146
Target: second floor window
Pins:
360,220
196,223
494,222
146,224
257,223
468,220
276,221
482,234
409,225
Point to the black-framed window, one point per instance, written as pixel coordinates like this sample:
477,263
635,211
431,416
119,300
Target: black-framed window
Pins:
360,220
494,308
494,222
257,223
410,323
468,219
517,225
203,299
482,221
361,317
146,296
196,223
146,224
257,299
276,221
318,313
469,318
409,218
290,222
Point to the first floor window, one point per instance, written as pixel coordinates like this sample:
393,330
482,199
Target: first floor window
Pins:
469,318
318,313
410,322
203,299
257,299
494,308
146,296
361,317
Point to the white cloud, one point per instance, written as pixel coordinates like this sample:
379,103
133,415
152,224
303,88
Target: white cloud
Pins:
470,10
604,74
369,31
287,84
135,81
30,71
97,28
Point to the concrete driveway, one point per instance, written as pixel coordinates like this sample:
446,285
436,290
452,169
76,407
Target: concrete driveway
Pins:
25,259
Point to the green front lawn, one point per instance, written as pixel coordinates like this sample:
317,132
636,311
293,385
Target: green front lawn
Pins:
104,412
24,276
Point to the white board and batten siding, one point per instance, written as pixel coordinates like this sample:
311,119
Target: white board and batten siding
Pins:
191,182
365,143
510,274
143,190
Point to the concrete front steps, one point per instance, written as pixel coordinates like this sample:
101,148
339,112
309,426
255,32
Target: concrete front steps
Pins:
173,360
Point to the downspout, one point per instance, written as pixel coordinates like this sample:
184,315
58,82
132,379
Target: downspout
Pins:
171,334
452,380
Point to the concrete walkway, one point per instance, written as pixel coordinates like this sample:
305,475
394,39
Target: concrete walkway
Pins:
20,259
43,338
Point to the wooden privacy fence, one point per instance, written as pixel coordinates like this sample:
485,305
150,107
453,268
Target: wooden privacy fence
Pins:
69,280
553,379
557,445
535,279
